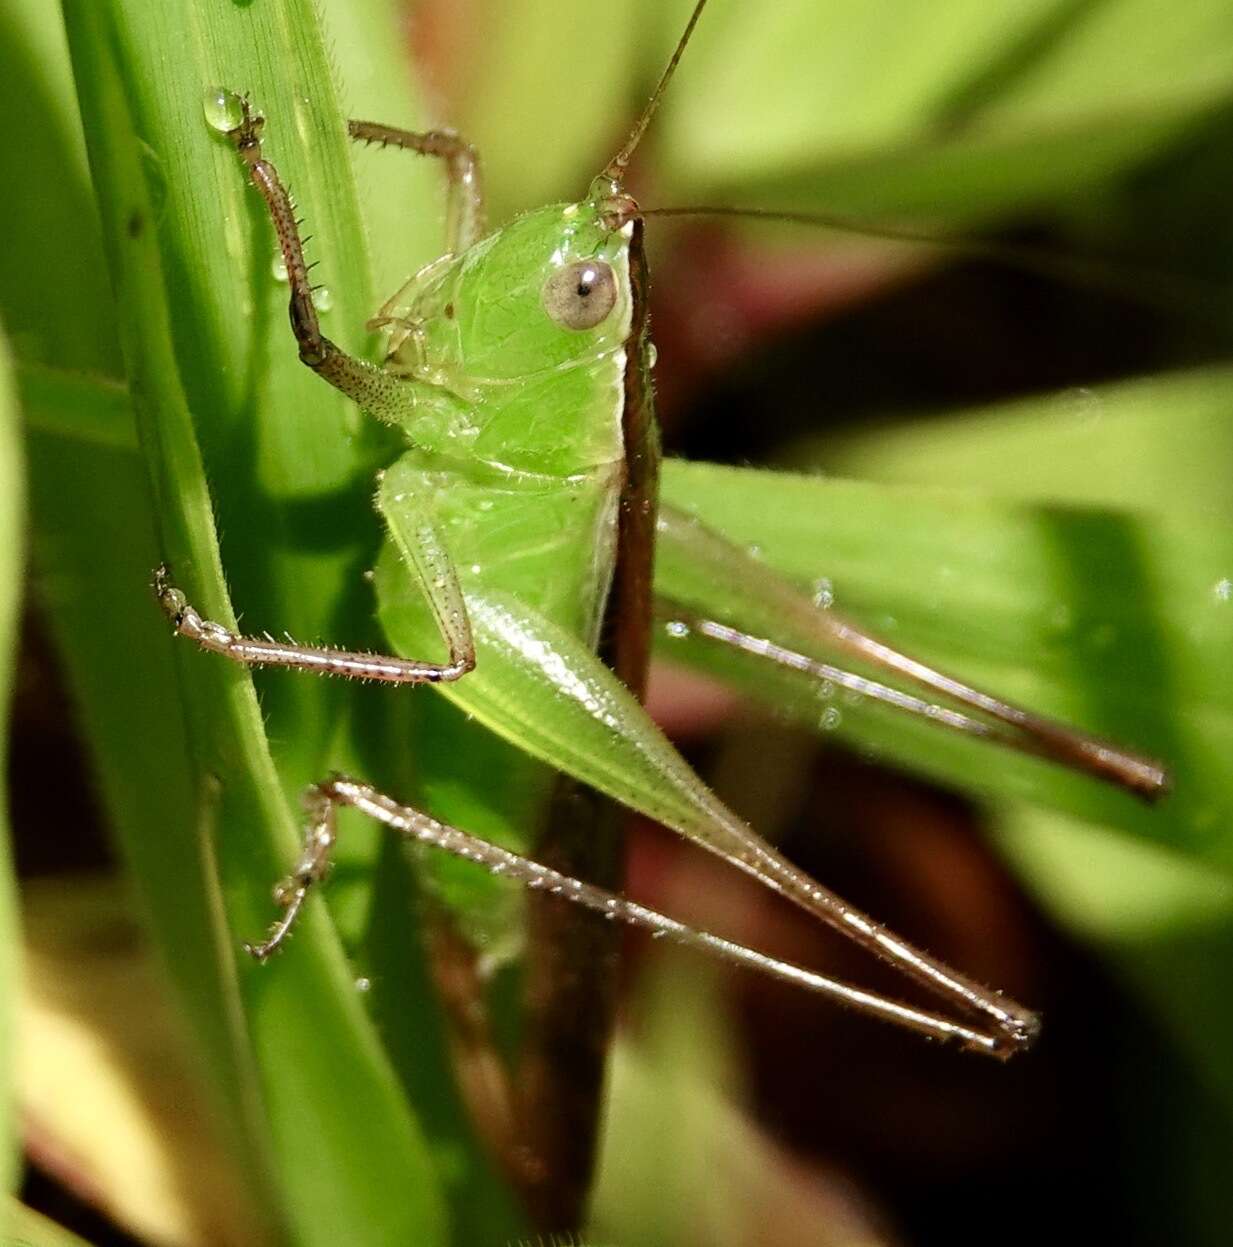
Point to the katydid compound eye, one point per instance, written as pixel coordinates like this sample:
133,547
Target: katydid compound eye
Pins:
580,296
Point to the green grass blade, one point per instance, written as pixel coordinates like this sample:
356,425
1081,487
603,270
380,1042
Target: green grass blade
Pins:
12,552
31,1229
1103,618
55,313
351,1163
961,108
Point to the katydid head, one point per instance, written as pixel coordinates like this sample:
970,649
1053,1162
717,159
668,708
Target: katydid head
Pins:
547,293
523,340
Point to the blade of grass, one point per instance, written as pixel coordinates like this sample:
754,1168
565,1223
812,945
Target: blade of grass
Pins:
12,551
963,109
350,1160
31,1229
1107,619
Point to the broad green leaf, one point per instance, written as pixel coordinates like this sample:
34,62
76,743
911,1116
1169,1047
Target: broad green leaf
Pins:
960,108
1150,444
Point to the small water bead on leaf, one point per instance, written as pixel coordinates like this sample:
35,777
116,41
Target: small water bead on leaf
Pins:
823,593
279,268
1222,590
677,629
1061,620
830,720
222,109
323,298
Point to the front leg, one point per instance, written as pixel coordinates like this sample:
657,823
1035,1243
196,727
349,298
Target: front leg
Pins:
374,389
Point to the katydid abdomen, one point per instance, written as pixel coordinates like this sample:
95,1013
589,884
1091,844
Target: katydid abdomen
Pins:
548,541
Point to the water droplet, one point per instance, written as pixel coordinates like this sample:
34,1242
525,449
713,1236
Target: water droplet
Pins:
830,720
279,267
652,355
222,109
823,593
676,628
363,984
1223,590
1082,402
323,299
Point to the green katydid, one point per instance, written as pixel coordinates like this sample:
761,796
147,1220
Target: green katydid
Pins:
522,517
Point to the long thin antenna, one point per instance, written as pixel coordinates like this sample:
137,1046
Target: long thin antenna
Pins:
615,169
1191,298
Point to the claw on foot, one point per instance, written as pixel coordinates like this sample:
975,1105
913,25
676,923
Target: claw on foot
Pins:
173,602
290,896
248,133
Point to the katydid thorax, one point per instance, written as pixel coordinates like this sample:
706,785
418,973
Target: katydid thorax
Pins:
521,523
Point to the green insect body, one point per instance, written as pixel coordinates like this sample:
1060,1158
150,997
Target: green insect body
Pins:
515,493
521,488
515,363
519,520
519,371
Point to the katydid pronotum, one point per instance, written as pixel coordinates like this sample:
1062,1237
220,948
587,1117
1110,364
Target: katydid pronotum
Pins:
521,521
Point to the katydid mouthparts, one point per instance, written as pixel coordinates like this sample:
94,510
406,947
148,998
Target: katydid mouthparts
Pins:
521,521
